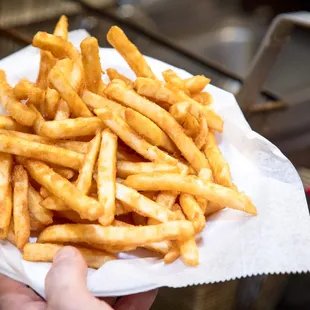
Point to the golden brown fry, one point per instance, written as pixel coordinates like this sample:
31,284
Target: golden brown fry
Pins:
106,179
132,139
196,83
201,138
189,252
142,205
75,146
191,125
87,207
51,100
6,163
124,236
163,119
149,130
154,89
8,123
172,78
192,211
203,98
172,255
179,111
20,112
70,128
91,64
73,216
11,236
44,192
39,213
39,121
212,208
67,92
24,89
35,225
191,185
114,74
85,177
94,101
126,168
6,212
219,165
49,153
117,38
36,252
63,111
47,62
59,47
53,203
61,28
64,172
20,206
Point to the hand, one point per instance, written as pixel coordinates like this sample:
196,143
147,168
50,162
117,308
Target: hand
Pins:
65,288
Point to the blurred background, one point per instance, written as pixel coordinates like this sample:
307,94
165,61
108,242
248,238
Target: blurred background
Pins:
217,38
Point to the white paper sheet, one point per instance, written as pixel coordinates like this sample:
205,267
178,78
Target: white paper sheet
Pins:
233,244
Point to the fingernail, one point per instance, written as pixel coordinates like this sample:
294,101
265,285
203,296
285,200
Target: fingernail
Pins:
64,253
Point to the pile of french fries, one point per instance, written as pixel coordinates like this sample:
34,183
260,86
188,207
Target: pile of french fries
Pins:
109,168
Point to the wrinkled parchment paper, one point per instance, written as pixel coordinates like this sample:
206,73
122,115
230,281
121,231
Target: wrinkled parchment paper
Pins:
233,244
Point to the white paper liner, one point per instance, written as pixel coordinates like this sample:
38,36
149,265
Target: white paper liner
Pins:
233,244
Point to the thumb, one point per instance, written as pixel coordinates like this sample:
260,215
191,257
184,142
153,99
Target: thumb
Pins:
65,283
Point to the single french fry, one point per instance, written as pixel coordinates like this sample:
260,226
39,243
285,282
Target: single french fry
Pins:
41,214
154,89
94,101
132,139
196,84
53,203
86,207
172,255
203,98
59,47
142,205
191,185
85,177
189,252
201,138
20,112
125,236
36,252
70,128
8,123
191,125
117,38
49,153
91,64
24,89
158,247
6,164
61,28
149,130
51,100
64,172
67,92
172,78
6,212
114,74
63,111
47,62
192,211
20,206
212,208
179,111
163,119
126,168
39,121
106,179
75,146
44,193
219,165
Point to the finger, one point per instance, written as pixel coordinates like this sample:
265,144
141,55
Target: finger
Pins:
141,301
15,295
65,284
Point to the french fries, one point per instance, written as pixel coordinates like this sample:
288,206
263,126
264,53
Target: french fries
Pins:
36,252
67,179
87,207
91,64
117,38
106,178
20,206
191,185
125,236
